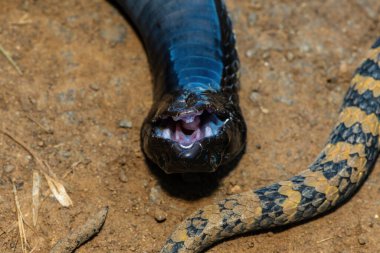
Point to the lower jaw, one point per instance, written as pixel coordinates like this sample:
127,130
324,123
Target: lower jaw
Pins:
202,157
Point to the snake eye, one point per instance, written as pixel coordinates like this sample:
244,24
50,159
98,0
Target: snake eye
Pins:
189,127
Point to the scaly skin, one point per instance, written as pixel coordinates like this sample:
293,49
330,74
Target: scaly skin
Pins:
191,50
336,174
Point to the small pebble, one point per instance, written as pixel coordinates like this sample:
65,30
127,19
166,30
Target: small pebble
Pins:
159,215
122,160
289,56
279,166
284,100
125,123
305,48
235,189
255,96
250,53
122,177
251,244
252,18
64,153
114,33
362,240
264,110
67,97
94,87
155,195
8,168
265,56
343,67
255,5
19,185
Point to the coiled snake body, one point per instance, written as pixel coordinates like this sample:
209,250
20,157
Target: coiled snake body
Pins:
196,124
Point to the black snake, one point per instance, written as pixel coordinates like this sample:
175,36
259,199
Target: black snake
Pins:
195,124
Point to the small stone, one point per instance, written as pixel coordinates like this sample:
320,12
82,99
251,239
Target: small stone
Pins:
122,160
8,168
258,146
125,123
305,48
289,56
362,239
264,110
279,166
343,67
19,184
255,96
94,87
122,177
159,215
114,33
155,194
235,189
64,153
67,97
252,18
265,56
284,100
71,118
40,143
255,5
251,244
250,53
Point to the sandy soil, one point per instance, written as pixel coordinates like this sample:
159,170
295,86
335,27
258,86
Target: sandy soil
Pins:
86,88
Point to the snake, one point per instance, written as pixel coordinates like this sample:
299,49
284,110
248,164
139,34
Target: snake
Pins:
196,125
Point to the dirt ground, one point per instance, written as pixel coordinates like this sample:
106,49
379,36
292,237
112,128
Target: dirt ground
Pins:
85,89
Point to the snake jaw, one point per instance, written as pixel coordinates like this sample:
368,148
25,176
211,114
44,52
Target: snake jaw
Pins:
188,132
189,127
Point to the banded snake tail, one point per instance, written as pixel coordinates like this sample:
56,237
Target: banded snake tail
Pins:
195,124
330,180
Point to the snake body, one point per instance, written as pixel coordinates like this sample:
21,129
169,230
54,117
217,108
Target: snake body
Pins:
330,180
195,123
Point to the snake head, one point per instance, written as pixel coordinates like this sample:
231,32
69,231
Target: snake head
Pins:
189,131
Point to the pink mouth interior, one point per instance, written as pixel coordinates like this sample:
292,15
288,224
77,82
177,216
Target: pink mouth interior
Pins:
188,128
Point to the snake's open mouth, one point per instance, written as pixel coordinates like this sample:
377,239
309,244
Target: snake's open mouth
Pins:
189,127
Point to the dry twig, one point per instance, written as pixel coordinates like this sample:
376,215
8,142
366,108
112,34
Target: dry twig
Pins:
82,234
45,129
36,190
55,186
20,221
9,58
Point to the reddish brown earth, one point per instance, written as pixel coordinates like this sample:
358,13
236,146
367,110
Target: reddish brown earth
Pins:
85,74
